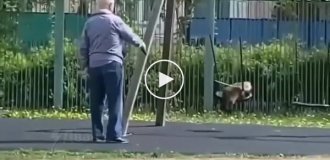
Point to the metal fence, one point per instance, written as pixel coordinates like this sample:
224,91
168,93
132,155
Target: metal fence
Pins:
282,67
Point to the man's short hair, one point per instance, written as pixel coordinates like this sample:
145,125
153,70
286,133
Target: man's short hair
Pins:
102,3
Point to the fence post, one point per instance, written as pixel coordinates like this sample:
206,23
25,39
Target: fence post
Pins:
208,58
167,48
59,51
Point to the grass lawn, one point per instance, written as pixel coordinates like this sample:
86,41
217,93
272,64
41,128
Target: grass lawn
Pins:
319,120
64,155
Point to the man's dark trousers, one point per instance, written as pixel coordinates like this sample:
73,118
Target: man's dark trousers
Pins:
106,81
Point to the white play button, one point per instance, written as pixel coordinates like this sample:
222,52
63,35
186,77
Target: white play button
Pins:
163,79
153,87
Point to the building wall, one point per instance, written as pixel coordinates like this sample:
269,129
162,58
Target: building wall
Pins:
236,9
251,9
325,11
254,9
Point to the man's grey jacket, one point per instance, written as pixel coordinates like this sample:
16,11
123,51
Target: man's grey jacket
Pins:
103,39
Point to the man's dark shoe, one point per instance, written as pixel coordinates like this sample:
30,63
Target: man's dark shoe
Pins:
117,140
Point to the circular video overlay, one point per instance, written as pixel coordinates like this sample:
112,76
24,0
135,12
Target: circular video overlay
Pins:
157,79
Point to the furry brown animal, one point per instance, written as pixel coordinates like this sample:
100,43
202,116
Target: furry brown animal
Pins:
234,93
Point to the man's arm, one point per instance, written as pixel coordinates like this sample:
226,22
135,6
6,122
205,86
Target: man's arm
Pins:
127,34
84,49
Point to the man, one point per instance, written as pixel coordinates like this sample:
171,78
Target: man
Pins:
101,50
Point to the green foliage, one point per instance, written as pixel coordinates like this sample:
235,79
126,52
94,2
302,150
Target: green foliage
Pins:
8,26
278,72
30,154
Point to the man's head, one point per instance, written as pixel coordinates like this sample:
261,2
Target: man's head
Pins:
106,4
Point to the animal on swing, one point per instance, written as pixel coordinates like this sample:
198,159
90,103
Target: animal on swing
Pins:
231,94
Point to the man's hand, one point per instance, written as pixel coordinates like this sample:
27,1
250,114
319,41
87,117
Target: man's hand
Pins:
143,48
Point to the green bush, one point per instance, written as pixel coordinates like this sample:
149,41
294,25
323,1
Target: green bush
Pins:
277,70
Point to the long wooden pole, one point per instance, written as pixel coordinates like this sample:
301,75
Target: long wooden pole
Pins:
140,64
208,58
59,53
167,48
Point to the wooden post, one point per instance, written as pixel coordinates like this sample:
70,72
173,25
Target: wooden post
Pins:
208,58
140,64
59,53
167,47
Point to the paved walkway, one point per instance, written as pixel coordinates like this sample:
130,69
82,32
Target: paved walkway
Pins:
177,137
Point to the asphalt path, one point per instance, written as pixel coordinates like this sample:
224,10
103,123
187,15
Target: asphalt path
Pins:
187,138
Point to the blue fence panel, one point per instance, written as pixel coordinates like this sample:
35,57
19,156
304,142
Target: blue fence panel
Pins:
197,28
286,28
304,31
269,30
254,31
327,31
222,30
74,25
238,31
263,30
34,28
318,28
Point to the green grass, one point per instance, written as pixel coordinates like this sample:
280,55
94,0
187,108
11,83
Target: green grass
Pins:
121,155
320,120
56,155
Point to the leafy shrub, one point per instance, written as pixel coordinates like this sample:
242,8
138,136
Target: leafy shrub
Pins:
278,70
